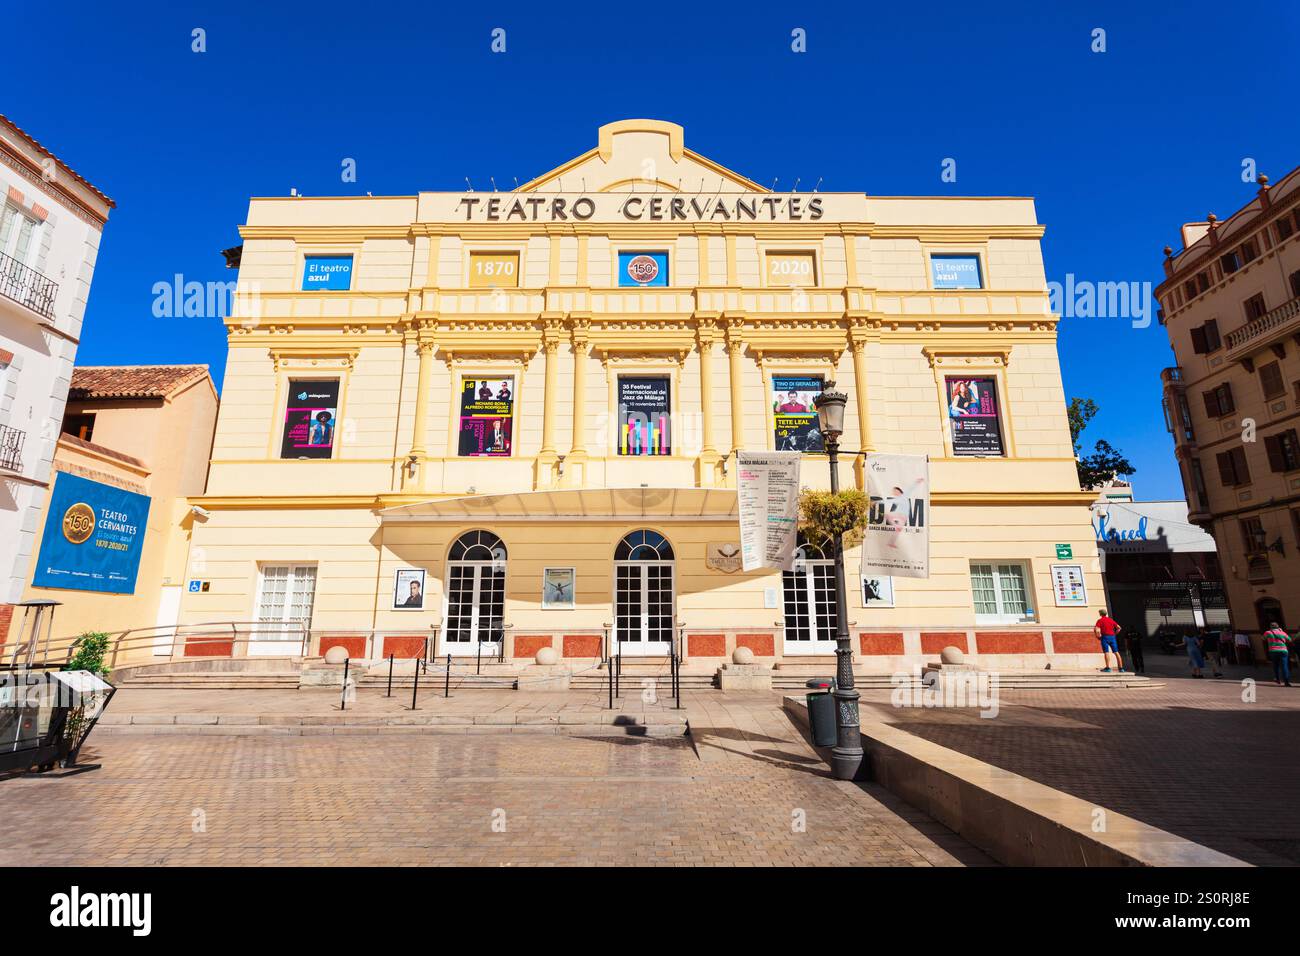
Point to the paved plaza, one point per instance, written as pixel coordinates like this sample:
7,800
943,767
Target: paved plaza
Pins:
743,789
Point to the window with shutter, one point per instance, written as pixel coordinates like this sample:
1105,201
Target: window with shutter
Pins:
1273,445
1226,475
1239,466
1226,403
1270,379
1212,339
1212,404
1198,340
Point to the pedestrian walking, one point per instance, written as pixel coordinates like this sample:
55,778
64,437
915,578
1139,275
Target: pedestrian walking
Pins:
1277,643
1194,655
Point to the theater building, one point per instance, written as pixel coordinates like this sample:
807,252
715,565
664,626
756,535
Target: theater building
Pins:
508,421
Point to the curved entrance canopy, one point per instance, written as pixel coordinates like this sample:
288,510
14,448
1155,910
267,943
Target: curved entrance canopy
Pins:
592,504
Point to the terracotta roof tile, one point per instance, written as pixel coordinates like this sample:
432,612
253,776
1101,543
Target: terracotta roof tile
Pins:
132,381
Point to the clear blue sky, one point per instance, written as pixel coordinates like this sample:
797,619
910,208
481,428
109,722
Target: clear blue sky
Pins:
1119,148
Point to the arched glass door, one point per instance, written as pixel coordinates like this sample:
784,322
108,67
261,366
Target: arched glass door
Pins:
810,619
475,595
643,594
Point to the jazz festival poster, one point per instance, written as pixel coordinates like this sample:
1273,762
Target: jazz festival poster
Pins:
644,413
487,408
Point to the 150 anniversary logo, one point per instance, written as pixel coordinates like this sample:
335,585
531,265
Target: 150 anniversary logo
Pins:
94,537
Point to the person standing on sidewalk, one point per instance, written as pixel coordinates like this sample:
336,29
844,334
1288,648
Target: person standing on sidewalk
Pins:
1107,630
1194,655
1277,643
1133,638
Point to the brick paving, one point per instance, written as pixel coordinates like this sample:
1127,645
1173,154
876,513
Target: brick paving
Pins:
727,795
1190,757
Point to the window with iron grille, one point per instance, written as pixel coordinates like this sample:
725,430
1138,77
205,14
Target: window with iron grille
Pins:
285,598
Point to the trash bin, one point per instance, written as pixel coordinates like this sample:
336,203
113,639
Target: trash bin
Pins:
821,711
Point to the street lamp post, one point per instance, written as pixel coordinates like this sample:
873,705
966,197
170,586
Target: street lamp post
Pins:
846,755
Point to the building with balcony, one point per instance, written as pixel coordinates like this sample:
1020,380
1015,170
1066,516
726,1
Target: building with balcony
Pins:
141,429
508,421
1231,306
51,221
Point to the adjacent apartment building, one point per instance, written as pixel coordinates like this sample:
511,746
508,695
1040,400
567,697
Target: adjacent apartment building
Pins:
134,446
508,421
51,221
1231,304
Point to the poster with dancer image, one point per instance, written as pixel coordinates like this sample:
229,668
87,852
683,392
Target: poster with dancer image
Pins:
896,541
973,412
793,416
487,408
310,419
644,414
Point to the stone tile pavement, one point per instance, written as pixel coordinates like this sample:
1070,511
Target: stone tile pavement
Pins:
1191,757
744,789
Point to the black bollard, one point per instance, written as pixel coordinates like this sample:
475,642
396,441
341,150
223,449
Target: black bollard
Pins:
343,704
446,681
390,675
415,688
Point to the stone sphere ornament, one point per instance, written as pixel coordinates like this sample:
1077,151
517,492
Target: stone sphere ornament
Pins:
743,655
336,654
547,656
952,655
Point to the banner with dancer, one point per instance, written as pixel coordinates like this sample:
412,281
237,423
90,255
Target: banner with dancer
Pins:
897,537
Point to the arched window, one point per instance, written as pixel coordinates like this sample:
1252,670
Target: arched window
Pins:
643,593
476,592
810,620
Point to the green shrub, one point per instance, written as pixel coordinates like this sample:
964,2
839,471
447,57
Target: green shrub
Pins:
91,648
825,515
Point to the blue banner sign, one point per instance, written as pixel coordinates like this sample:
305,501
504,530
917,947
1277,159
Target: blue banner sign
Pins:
93,538
643,269
330,273
955,272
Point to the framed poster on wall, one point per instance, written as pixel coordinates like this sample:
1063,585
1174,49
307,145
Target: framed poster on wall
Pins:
310,419
974,416
408,589
557,588
487,408
877,591
644,415
794,419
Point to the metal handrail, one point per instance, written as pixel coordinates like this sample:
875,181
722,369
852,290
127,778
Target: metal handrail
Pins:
212,632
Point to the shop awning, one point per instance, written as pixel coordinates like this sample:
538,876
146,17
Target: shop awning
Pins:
586,504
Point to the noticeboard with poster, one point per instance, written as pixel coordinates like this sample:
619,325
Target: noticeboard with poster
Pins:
644,415
1067,585
794,418
974,416
486,416
310,419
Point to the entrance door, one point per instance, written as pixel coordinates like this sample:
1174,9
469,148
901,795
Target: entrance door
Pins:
476,591
810,620
643,595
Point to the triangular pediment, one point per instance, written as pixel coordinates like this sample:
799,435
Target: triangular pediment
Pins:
641,155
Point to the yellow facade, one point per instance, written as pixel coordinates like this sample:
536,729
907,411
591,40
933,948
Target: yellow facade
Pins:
831,285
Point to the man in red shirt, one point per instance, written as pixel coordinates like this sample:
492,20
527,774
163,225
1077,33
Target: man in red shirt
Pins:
1107,630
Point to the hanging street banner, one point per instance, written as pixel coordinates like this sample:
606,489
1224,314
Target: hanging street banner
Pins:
768,493
897,538
93,538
